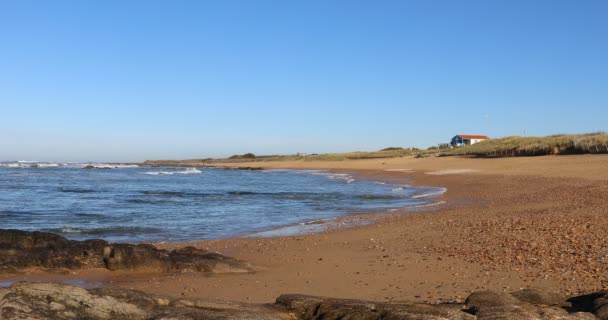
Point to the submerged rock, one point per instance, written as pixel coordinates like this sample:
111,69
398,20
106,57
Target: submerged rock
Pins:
21,249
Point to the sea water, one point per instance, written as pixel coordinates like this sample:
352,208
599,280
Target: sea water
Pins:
143,204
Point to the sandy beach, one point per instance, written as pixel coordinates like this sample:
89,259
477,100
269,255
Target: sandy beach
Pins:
506,224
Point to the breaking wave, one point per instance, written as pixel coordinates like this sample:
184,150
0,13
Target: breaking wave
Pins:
187,171
113,230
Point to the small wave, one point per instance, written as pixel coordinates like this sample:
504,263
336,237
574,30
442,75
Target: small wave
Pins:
90,215
244,193
378,197
187,171
45,165
173,193
15,187
180,194
335,176
24,164
163,193
115,230
289,195
107,166
157,173
76,190
14,165
435,193
150,201
14,213
397,189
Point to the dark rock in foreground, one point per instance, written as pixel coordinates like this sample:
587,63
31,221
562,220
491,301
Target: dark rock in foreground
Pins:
58,301
21,249
484,305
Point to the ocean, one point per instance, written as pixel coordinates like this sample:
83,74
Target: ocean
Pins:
154,204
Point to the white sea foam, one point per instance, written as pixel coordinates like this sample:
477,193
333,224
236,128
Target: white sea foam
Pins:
187,171
335,176
157,173
46,165
437,192
15,165
107,165
70,230
23,164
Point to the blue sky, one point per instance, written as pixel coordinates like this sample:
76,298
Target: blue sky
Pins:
135,80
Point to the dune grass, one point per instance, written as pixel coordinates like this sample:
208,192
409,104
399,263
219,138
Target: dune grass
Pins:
535,146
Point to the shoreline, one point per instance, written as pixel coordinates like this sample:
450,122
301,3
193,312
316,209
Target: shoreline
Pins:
342,221
509,225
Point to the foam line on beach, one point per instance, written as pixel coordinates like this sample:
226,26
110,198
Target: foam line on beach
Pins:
435,193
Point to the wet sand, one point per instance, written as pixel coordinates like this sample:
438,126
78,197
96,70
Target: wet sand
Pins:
506,224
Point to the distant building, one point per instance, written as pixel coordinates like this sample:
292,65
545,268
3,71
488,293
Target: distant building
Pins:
467,139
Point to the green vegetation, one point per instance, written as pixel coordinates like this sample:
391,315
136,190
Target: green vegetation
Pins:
504,147
391,152
535,146
243,156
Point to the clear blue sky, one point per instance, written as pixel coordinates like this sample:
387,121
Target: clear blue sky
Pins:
133,80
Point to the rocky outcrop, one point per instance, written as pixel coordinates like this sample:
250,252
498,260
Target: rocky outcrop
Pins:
317,308
526,304
62,302
58,301
21,249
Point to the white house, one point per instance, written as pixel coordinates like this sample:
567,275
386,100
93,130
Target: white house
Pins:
467,139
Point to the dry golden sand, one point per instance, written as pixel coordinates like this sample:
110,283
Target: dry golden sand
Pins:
507,223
